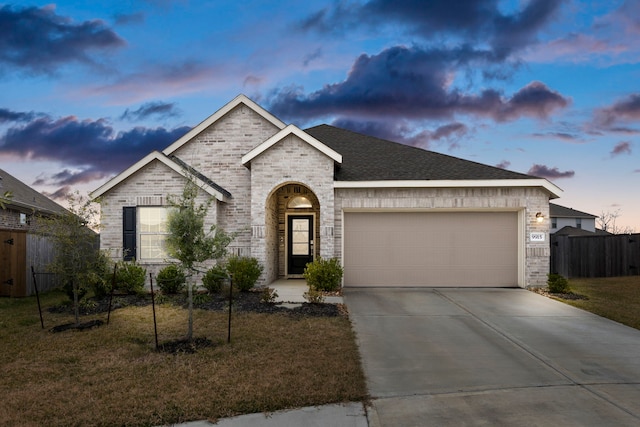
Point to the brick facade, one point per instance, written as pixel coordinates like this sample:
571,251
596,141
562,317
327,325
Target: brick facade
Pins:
260,189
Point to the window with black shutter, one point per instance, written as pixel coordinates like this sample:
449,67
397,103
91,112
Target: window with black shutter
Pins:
129,233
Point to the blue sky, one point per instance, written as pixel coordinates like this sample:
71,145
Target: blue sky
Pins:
545,87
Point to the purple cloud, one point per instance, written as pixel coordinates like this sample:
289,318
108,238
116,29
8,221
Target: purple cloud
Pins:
94,147
7,116
624,110
412,83
504,164
550,173
38,40
161,109
469,20
623,147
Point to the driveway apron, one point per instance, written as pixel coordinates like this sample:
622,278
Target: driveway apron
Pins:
494,357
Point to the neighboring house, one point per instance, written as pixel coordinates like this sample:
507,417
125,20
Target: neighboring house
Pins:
566,217
394,215
20,247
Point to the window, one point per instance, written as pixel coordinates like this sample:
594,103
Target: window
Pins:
152,226
578,222
554,223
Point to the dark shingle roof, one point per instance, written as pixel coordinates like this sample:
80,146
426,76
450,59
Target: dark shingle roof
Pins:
561,211
199,175
24,197
366,158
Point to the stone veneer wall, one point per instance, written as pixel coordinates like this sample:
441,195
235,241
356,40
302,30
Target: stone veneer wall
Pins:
290,161
217,153
528,200
150,186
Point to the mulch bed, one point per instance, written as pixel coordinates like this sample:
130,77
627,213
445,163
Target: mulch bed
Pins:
565,296
242,302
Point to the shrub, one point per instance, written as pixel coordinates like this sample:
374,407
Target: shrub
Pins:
130,277
324,275
245,272
214,278
101,277
557,284
314,296
268,295
171,279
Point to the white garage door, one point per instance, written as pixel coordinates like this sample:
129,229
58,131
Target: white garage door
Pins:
431,249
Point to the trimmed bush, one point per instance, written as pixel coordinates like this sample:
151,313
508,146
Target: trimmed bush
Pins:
245,272
130,277
214,278
102,275
557,284
324,274
171,279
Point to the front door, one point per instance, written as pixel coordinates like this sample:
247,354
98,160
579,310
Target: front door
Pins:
300,245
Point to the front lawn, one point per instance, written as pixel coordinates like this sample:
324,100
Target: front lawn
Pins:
112,375
616,298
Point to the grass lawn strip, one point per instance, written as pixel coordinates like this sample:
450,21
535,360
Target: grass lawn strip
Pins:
111,375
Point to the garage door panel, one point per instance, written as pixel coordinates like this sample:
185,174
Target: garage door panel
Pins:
430,249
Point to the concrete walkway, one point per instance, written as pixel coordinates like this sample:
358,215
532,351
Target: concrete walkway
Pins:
292,291
492,357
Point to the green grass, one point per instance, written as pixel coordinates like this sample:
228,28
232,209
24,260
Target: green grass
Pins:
616,298
112,375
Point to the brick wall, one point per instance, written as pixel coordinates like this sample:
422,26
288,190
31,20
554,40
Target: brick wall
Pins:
527,201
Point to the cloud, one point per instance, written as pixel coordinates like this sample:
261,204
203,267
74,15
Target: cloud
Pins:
38,40
92,146
565,136
504,164
60,194
623,110
405,133
161,109
316,54
413,83
130,18
468,21
543,171
155,80
7,116
621,148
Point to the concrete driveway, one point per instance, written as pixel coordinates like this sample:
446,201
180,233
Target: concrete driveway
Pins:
492,357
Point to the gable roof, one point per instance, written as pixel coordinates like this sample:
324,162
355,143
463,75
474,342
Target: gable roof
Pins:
562,212
174,163
291,130
240,99
369,159
25,197
220,195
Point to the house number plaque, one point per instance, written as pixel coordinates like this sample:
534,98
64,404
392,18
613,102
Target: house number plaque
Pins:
536,237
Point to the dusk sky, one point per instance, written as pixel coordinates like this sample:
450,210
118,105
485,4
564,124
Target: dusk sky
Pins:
545,87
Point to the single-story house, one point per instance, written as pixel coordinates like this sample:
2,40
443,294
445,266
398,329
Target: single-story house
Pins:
394,215
562,217
20,247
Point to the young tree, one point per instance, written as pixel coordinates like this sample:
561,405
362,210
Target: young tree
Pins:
189,242
74,243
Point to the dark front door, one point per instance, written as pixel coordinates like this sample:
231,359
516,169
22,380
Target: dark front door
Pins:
300,245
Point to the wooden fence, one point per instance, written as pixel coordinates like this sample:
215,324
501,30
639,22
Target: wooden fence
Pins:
596,256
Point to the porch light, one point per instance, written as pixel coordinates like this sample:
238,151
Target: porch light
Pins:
299,202
539,217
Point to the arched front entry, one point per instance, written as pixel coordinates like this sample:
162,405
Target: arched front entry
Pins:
293,218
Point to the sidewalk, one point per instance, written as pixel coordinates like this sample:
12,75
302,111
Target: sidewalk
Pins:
350,414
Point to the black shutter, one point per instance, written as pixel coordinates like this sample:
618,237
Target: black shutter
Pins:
129,233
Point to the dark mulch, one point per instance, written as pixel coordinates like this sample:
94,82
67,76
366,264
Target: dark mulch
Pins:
567,295
79,326
242,302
